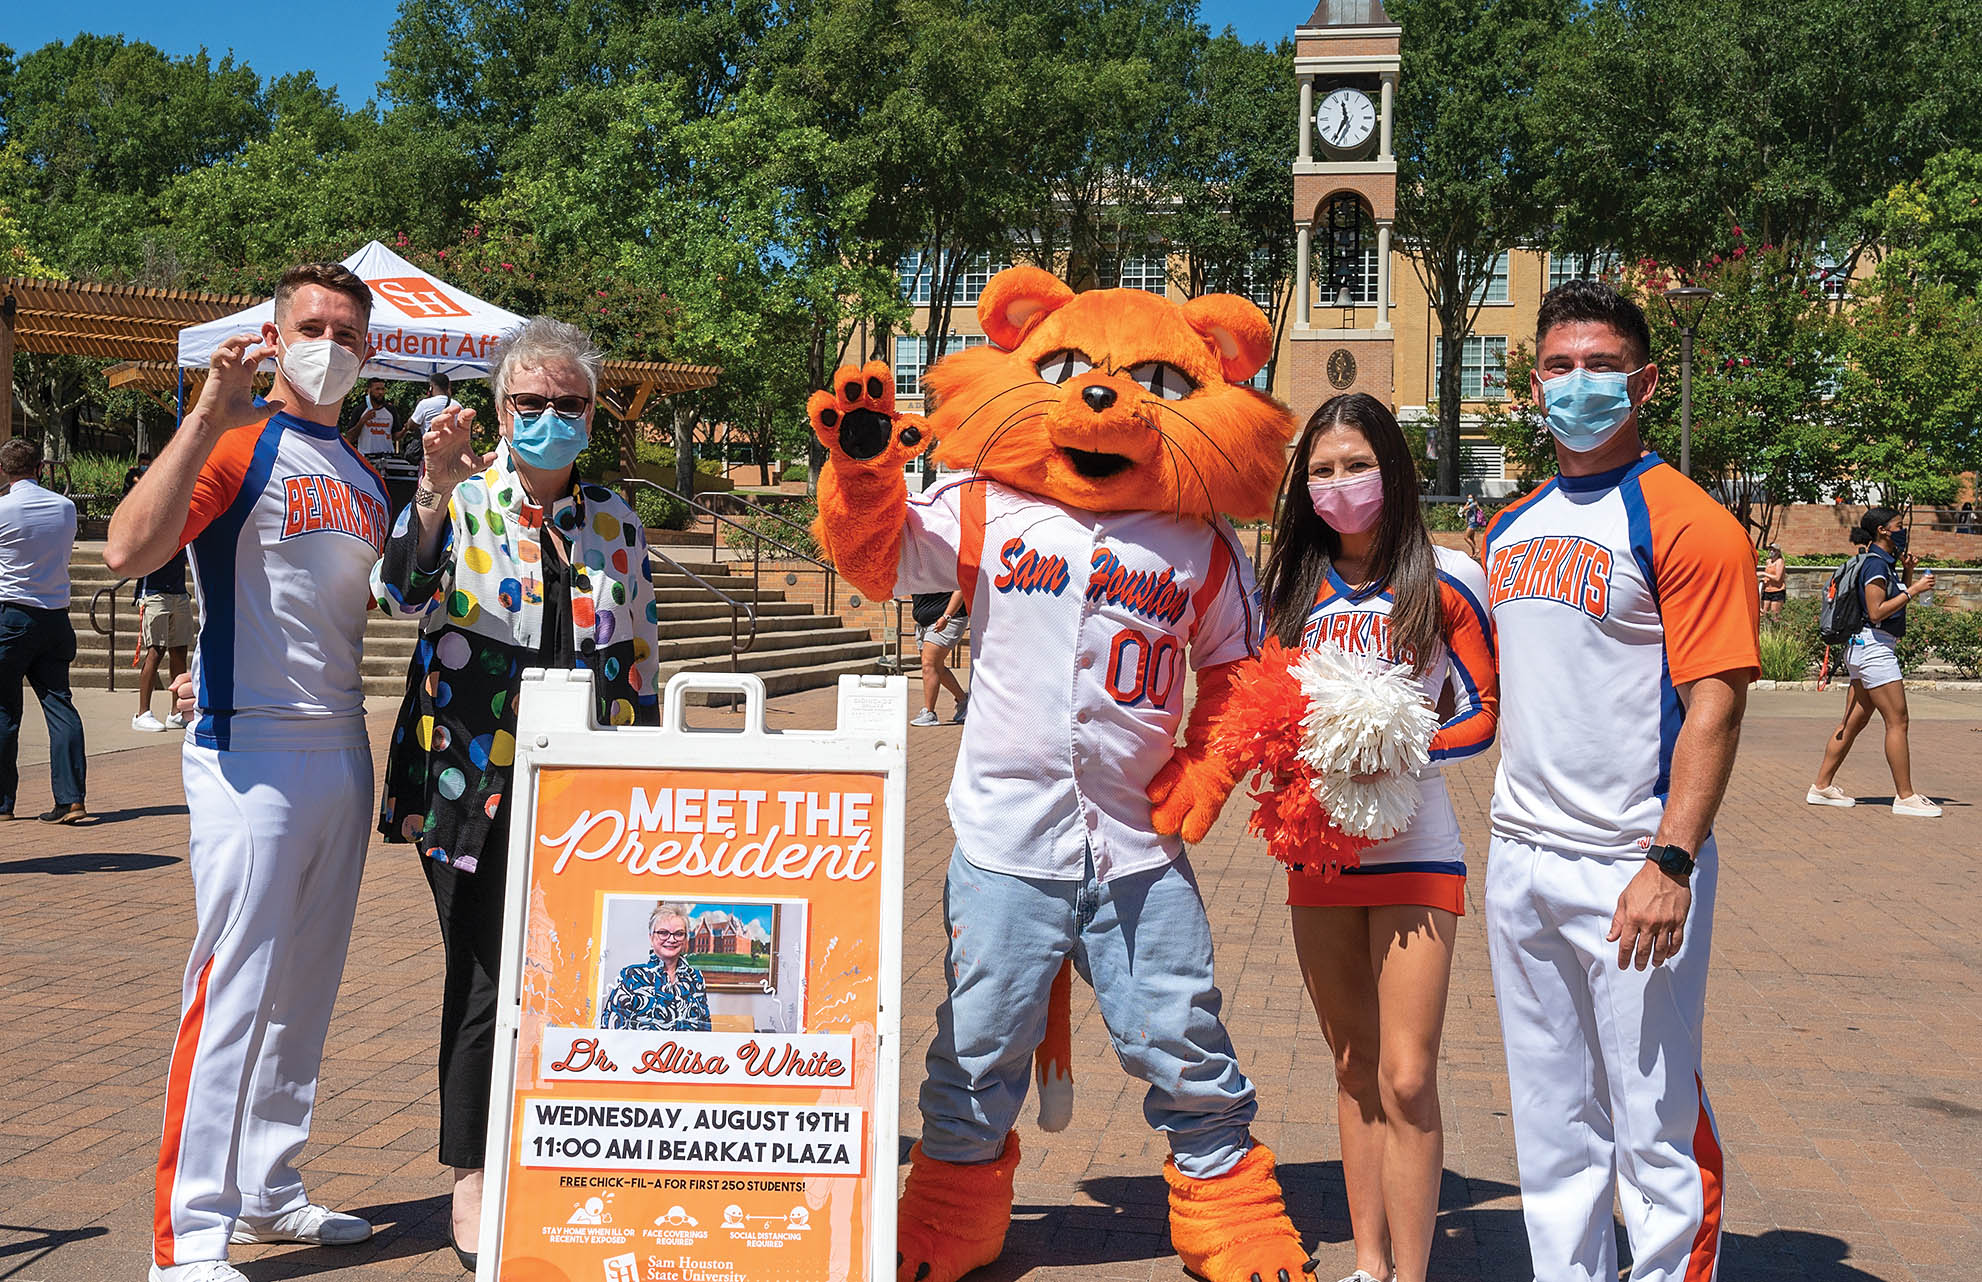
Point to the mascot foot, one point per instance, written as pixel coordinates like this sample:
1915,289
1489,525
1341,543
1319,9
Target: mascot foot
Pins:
1234,1228
953,1216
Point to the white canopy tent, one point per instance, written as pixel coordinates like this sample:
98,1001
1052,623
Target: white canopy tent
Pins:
419,325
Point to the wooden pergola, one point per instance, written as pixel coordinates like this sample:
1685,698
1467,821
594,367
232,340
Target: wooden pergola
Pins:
138,328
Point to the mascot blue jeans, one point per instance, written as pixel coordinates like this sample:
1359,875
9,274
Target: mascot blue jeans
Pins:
1143,942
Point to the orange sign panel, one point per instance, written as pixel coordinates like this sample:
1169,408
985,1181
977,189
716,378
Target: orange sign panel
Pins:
416,296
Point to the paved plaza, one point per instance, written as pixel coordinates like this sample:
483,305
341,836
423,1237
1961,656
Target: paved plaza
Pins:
1844,1032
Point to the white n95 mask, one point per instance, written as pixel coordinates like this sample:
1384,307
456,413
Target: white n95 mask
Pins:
321,371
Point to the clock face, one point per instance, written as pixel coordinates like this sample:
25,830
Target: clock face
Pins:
1345,119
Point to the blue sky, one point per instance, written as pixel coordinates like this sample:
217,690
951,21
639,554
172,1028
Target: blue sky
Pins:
344,42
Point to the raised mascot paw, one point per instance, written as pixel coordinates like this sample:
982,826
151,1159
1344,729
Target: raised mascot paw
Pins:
857,421
1187,794
1234,1227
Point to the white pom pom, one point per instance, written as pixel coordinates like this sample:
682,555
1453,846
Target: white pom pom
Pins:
1364,718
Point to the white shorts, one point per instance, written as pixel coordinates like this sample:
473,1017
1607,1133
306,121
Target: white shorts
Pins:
1871,660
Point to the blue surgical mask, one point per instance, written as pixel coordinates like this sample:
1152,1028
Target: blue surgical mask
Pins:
549,441
1586,407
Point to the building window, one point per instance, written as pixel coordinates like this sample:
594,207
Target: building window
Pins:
912,357
1252,279
1149,272
1482,368
1834,280
917,272
1494,288
1482,461
1567,267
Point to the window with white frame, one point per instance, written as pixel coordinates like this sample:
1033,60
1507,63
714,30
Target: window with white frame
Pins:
1482,461
1563,268
1482,368
917,272
1148,271
1834,280
1494,288
912,358
1252,279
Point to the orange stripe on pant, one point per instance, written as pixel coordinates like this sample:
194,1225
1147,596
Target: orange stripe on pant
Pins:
178,1083
1704,1260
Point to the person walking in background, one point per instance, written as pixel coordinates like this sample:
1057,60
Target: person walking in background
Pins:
1475,518
37,641
1775,583
438,399
1624,607
510,561
1871,659
284,520
939,625
166,629
1354,566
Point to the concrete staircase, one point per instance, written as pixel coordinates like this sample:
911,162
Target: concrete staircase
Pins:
796,649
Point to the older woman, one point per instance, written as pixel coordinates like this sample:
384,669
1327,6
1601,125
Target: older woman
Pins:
663,994
509,561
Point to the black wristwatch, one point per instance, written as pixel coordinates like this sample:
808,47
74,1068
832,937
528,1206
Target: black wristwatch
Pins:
1672,861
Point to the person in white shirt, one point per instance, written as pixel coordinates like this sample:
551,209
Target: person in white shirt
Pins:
439,398
376,422
37,642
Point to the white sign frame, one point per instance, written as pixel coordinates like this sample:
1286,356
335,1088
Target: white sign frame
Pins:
556,728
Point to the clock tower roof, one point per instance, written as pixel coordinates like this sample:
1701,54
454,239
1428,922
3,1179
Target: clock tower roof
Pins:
1348,13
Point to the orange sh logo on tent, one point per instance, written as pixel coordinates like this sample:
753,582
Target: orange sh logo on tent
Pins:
416,296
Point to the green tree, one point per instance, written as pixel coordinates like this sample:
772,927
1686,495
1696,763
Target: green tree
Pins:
1468,167
1931,228
1911,397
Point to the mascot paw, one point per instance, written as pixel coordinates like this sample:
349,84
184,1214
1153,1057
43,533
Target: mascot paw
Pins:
856,420
1234,1228
952,1217
1187,794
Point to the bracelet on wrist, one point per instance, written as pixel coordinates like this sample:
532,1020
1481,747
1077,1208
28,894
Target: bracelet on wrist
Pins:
431,499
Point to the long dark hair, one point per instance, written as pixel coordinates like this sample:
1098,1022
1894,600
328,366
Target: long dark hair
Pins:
1867,530
1401,557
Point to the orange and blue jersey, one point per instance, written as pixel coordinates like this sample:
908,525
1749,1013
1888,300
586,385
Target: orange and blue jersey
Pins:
285,523
1426,863
1608,595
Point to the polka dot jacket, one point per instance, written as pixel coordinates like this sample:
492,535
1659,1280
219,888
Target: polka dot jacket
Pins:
481,613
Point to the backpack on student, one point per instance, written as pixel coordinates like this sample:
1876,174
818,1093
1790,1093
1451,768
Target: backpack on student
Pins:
1843,612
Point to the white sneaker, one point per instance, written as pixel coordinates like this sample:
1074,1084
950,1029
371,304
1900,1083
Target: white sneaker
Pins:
1831,796
199,1271
963,702
1364,1275
1917,806
926,717
313,1223
174,721
146,722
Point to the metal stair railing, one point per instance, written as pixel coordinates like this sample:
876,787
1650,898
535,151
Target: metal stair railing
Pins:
737,609
96,625
757,538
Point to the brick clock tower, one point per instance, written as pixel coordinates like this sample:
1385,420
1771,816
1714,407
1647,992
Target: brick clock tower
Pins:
1345,197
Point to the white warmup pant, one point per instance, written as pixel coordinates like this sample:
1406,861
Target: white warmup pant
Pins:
1604,1068
277,852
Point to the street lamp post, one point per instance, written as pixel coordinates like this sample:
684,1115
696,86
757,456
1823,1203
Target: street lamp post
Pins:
1687,303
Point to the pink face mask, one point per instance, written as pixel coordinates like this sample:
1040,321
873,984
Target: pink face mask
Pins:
1350,506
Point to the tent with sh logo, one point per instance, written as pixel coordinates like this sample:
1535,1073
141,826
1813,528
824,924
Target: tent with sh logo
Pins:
420,325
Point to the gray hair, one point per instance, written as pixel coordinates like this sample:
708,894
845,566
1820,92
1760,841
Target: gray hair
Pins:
664,910
541,342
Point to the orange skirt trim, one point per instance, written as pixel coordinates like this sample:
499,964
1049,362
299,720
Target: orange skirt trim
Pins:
1379,890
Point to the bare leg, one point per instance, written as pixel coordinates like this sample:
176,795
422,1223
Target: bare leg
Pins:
1411,953
148,678
1334,948
1857,712
467,1217
176,656
1890,700
932,675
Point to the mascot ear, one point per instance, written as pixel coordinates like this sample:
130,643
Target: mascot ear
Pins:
1235,330
1016,299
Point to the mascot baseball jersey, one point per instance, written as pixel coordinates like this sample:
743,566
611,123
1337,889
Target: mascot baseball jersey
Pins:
1608,592
1133,595
285,524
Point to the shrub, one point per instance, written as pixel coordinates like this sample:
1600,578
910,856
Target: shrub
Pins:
1785,654
1443,516
803,513
660,511
1952,636
796,472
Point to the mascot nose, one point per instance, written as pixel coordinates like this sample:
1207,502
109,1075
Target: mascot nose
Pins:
1098,398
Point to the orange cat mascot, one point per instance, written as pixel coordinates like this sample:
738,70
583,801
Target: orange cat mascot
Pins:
1103,434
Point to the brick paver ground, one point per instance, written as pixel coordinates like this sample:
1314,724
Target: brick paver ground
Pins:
1844,1047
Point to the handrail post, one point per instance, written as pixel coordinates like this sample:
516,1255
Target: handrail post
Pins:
110,651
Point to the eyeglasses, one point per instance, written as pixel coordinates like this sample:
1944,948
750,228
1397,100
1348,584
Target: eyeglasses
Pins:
531,404
669,934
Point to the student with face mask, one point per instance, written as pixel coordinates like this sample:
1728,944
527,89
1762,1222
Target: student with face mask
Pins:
1871,659
1354,567
284,521
1623,601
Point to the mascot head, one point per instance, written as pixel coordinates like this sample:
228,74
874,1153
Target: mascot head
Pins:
1115,400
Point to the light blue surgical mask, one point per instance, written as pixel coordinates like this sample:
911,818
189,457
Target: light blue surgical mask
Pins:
1586,407
550,440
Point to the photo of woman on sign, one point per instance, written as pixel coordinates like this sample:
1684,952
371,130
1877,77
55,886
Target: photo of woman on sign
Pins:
663,994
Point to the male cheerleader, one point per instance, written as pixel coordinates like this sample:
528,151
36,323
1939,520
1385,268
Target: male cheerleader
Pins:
284,520
1624,603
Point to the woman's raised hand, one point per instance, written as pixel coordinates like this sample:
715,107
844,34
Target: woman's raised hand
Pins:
448,450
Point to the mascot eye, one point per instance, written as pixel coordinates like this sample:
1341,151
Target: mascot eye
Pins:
1166,381
1061,366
